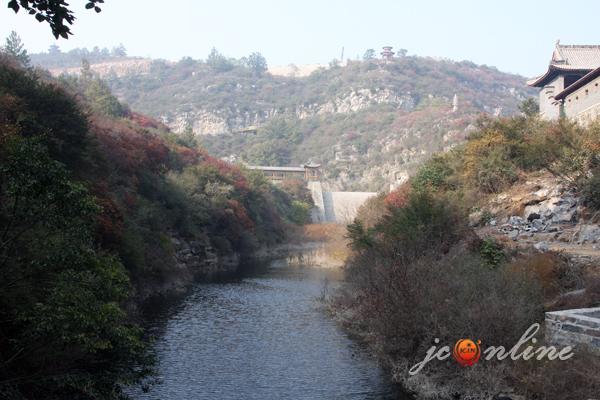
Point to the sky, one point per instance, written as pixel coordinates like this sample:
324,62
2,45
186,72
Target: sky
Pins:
513,36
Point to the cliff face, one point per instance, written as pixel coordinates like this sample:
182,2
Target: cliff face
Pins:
215,122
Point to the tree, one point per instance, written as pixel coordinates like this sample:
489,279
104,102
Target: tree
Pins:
334,64
59,297
14,49
118,51
402,52
369,55
218,62
258,63
529,107
54,12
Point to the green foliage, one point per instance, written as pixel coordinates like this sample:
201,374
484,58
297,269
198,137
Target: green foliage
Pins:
300,212
430,177
53,112
369,55
103,100
257,63
14,49
55,13
491,252
529,107
219,62
59,298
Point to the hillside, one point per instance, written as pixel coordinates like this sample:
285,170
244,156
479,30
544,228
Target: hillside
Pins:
368,123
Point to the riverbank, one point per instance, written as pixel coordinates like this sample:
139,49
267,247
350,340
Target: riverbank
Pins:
317,245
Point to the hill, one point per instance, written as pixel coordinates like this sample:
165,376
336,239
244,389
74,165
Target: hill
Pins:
368,123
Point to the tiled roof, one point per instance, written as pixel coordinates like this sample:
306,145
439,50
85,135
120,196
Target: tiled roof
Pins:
284,169
572,58
311,164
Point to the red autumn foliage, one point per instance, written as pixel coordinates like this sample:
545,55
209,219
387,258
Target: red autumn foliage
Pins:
240,213
181,156
397,198
146,122
128,151
109,223
230,171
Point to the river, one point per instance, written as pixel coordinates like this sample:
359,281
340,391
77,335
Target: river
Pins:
258,333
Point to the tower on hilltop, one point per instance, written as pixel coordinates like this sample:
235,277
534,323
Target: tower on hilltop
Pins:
387,54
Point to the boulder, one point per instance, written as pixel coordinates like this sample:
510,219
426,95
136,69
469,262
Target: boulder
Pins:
542,247
515,221
197,247
475,218
514,235
537,224
184,245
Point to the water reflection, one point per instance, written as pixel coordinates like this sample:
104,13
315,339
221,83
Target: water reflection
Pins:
258,334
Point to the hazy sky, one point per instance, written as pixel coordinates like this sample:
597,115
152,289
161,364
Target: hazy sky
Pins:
514,36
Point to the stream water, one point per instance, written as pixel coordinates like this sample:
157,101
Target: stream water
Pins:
258,333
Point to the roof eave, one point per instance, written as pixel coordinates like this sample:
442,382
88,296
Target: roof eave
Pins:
580,83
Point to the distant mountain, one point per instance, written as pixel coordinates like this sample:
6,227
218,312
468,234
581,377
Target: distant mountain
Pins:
368,123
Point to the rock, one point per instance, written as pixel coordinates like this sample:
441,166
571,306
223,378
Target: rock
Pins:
185,246
565,217
542,247
590,233
532,212
514,235
515,220
493,223
197,247
175,241
537,224
550,230
475,218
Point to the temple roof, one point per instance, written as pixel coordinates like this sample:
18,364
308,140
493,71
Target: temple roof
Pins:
310,164
279,169
569,58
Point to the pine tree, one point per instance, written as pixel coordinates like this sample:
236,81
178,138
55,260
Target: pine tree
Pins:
14,49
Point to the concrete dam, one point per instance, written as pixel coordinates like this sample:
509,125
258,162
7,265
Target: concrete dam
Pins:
337,207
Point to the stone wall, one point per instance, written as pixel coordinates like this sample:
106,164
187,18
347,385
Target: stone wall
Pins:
584,103
548,109
571,327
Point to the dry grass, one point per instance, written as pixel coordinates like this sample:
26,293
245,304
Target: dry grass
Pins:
333,235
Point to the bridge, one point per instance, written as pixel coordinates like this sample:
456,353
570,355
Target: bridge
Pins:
308,171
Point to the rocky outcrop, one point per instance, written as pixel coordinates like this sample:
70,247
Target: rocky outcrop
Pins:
358,99
216,122
552,217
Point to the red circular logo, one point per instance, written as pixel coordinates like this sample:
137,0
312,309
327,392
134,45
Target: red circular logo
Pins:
466,351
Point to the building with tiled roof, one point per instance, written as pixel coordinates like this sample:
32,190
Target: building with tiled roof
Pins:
569,65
